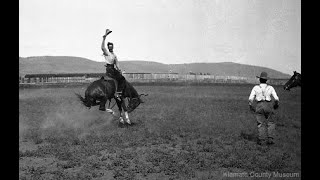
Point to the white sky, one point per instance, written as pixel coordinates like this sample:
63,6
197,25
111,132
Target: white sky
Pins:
256,32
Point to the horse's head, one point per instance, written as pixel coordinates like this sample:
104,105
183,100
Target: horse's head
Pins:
134,102
294,81
134,99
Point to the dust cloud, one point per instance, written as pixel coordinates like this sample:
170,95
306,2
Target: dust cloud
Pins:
75,120
70,120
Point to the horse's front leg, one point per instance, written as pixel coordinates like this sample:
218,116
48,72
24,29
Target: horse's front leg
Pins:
102,104
122,106
120,110
125,111
108,109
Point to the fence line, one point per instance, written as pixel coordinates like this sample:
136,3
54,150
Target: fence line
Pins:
143,77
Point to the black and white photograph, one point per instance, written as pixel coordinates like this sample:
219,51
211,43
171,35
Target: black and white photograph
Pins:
159,89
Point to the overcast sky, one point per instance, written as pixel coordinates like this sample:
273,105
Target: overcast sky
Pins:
256,32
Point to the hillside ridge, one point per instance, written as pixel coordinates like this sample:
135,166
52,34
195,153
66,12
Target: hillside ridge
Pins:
72,64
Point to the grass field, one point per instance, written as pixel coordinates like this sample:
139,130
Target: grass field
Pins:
180,132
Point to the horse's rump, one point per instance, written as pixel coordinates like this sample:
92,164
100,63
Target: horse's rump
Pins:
102,88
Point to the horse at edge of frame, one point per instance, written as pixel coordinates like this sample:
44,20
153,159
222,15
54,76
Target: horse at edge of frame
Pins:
294,81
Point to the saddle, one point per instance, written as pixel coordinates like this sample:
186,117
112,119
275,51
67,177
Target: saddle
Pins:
108,78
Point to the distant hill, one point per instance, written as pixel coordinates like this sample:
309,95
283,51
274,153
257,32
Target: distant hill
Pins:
228,69
68,64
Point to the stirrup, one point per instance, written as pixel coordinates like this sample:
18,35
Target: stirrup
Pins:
118,94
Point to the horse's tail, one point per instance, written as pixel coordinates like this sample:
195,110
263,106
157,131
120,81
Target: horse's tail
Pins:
84,101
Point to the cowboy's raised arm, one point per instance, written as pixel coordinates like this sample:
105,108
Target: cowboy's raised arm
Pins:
105,51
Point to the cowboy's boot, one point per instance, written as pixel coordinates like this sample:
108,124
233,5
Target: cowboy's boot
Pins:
118,95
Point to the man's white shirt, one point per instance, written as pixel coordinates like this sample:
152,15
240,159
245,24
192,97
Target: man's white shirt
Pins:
110,58
263,92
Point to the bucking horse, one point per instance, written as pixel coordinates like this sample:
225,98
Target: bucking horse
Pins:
103,90
294,81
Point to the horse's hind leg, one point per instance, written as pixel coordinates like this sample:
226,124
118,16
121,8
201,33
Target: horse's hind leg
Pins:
123,107
108,109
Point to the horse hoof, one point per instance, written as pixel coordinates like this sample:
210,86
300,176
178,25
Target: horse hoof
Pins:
121,120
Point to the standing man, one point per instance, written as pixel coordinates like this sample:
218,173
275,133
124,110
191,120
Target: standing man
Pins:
264,109
112,65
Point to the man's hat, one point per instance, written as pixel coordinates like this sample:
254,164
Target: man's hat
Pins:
263,75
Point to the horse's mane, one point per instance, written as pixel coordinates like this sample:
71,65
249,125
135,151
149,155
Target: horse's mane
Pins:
299,75
296,74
